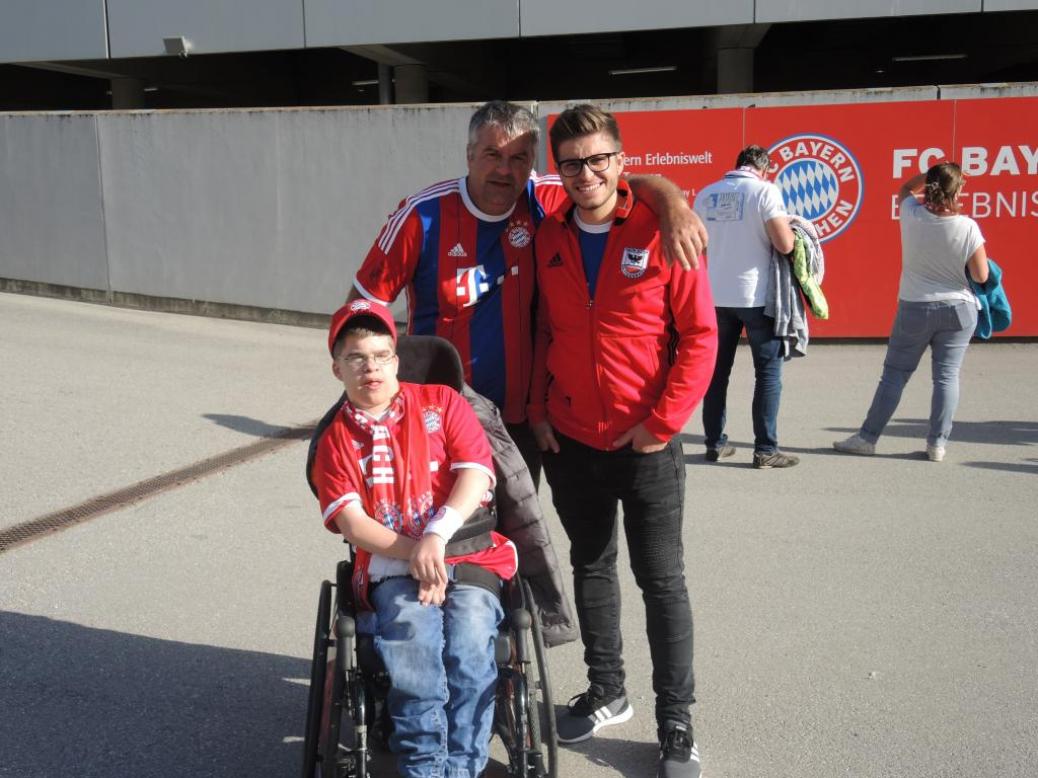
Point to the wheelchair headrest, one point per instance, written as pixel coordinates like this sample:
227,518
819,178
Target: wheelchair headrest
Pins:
428,359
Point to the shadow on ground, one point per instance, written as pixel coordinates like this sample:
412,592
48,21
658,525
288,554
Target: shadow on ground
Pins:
91,702
246,425
1027,466
1008,433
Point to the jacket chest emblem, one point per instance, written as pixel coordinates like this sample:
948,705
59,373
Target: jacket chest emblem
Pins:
634,262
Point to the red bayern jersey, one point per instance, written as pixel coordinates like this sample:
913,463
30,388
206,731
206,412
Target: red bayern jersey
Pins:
469,278
456,441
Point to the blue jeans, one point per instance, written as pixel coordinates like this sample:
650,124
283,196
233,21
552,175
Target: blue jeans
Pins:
587,485
766,350
443,676
946,327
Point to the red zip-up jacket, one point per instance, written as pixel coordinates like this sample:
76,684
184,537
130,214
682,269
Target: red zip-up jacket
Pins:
642,350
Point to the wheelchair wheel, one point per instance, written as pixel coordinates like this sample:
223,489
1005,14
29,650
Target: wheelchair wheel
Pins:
542,721
344,742
335,739
524,718
318,672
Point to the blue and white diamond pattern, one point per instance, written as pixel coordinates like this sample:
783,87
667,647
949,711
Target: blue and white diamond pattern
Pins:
809,188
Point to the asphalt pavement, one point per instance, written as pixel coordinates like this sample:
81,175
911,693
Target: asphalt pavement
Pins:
854,616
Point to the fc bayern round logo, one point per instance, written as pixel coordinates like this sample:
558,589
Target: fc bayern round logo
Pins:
519,236
820,180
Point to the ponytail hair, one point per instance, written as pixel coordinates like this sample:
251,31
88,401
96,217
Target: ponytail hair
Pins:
943,183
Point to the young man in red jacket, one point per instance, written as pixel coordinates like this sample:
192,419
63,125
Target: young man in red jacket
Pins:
625,350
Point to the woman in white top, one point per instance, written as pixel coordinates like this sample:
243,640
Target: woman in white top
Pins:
936,306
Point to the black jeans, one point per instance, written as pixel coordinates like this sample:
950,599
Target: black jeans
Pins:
587,484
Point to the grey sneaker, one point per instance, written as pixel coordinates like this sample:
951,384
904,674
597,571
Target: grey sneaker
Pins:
713,454
763,461
589,712
679,754
855,444
935,453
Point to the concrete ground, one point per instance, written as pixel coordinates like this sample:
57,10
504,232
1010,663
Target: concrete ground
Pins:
854,617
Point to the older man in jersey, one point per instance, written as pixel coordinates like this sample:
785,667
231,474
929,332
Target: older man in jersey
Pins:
463,251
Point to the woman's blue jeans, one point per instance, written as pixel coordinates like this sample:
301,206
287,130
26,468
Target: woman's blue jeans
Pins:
946,327
443,676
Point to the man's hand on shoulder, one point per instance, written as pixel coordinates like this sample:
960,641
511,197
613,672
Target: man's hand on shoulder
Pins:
641,440
682,235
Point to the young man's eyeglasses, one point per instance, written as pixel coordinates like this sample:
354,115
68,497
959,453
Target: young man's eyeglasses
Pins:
360,361
596,163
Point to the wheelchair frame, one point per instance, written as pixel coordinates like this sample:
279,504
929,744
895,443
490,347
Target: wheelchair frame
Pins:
341,723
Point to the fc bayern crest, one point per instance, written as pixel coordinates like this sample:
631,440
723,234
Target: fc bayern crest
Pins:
433,420
820,180
519,236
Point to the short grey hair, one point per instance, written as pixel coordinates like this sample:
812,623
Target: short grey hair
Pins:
513,119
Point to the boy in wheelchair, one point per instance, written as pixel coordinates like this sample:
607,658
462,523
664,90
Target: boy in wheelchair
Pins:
398,472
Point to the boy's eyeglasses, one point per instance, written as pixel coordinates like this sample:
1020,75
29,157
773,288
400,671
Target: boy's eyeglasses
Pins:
596,163
360,361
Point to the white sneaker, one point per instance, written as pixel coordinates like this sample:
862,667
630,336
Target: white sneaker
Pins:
855,444
935,453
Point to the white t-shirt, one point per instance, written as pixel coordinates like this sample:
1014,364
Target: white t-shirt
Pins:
735,210
934,251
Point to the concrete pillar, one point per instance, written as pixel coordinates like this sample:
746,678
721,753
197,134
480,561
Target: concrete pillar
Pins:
127,93
734,70
385,84
412,84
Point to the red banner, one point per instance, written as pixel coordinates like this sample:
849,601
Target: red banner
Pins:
842,165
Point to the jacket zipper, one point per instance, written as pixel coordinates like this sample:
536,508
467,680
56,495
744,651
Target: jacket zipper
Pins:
603,423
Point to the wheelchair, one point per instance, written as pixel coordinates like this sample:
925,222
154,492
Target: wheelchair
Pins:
346,718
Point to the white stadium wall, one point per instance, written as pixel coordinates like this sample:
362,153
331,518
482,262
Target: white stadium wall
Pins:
269,209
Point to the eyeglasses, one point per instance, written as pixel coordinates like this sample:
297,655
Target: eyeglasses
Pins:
360,361
596,163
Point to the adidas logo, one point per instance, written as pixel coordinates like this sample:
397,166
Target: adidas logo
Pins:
555,261
457,251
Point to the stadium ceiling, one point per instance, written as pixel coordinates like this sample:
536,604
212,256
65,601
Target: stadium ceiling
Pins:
847,54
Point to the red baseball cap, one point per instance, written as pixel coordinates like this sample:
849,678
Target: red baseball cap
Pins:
352,310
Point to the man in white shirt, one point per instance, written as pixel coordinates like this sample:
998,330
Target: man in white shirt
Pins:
745,219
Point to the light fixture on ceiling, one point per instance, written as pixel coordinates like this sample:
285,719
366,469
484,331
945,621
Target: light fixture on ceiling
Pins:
366,82
640,71
928,57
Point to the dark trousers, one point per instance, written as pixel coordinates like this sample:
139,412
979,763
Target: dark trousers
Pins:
587,485
766,350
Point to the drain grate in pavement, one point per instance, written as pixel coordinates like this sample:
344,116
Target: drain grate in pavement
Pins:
34,529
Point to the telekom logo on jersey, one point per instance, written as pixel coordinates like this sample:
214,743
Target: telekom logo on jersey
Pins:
472,284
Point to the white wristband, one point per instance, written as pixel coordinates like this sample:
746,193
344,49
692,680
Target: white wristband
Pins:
445,523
